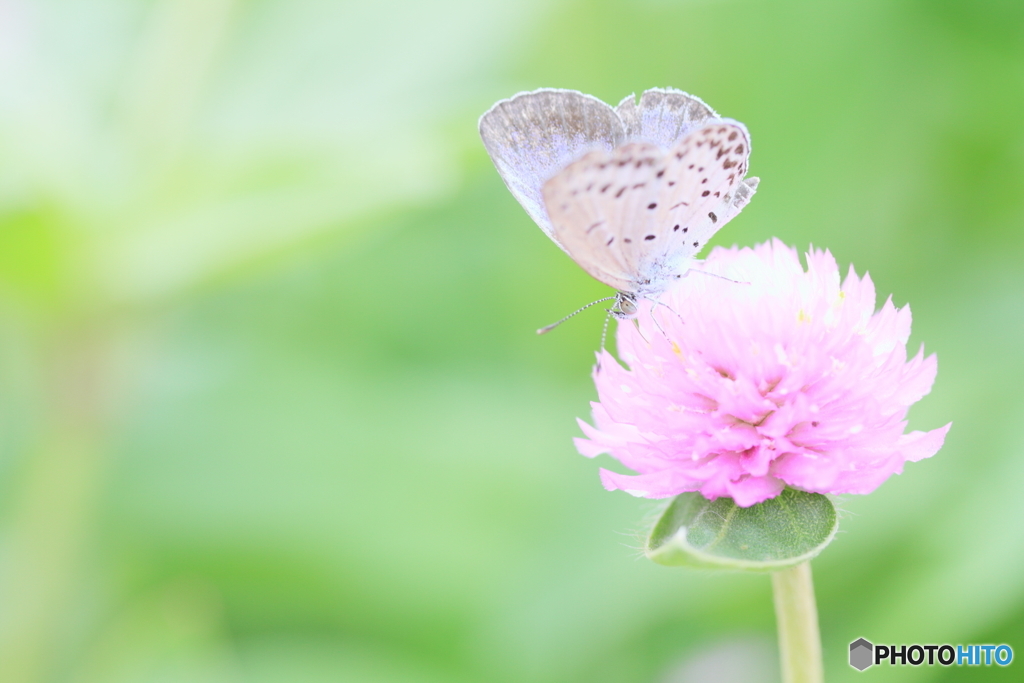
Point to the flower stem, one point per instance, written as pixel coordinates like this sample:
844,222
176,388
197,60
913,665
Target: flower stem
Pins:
797,617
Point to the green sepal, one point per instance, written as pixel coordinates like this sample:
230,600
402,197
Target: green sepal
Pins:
781,532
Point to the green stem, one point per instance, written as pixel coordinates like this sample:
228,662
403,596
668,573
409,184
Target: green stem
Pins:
797,617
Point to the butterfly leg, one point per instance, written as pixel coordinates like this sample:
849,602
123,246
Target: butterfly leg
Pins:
624,308
720,277
660,303
655,320
639,330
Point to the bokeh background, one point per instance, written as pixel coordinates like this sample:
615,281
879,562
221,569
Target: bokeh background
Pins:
272,407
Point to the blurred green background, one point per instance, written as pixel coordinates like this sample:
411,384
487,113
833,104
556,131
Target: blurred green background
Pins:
272,407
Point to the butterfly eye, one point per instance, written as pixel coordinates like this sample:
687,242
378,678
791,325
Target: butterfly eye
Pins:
627,306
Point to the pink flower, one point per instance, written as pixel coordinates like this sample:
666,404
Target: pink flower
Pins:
792,379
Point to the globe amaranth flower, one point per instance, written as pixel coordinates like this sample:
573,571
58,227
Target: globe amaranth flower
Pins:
783,377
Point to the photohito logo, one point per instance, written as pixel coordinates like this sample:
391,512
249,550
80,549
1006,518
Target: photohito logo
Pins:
864,654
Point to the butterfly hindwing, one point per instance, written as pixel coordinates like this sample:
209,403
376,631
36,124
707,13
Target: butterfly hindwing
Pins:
662,116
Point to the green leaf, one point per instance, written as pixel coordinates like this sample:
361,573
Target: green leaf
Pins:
781,532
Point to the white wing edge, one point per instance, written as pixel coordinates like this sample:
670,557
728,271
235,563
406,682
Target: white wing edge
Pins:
683,111
480,121
740,198
632,98
529,194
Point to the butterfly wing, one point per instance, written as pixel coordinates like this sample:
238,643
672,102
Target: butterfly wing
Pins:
663,116
632,218
598,210
740,198
534,135
703,189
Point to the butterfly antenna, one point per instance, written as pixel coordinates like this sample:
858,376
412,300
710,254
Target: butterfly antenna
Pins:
552,326
604,336
604,330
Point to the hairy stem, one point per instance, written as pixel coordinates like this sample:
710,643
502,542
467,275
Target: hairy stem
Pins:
797,618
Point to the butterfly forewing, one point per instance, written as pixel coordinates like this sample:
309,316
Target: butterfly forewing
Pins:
701,176
534,135
598,208
740,198
633,217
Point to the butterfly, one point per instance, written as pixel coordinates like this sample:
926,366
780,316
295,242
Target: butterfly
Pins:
633,193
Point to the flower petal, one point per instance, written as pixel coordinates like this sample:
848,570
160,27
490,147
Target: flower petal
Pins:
788,380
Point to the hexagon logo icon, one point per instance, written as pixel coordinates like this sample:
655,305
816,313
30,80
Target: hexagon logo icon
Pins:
861,652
